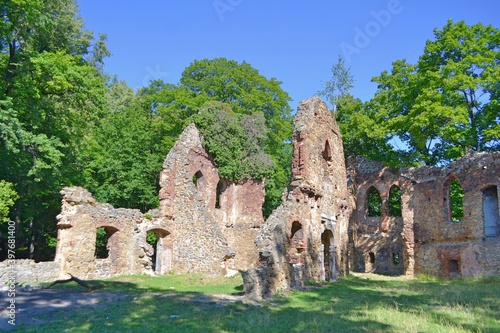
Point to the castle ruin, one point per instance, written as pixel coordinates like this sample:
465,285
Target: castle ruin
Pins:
333,218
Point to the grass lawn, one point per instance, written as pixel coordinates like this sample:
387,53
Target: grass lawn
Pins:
359,303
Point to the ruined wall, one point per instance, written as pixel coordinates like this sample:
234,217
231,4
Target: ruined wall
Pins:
239,214
306,237
380,244
28,271
80,217
215,220
460,248
430,241
201,222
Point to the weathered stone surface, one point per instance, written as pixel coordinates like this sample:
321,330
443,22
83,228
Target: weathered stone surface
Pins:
425,236
27,271
321,229
306,237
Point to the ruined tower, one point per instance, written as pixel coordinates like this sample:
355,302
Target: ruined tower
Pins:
305,238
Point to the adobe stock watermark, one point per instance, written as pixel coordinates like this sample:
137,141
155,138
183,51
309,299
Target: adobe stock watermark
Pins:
364,36
153,74
223,6
11,274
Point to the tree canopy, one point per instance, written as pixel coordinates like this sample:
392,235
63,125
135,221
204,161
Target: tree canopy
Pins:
447,103
431,112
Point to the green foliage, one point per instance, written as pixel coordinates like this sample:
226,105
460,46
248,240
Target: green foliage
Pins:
456,201
235,141
374,202
151,238
8,197
360,303
395,201
50,98
446,104
340,84
101,243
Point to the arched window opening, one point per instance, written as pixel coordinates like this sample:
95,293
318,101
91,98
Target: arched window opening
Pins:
102,243
456,207
198,179
327,152
220,188
490,212
395,201
297,243
374,202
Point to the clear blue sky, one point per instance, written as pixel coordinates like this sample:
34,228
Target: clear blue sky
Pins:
294,41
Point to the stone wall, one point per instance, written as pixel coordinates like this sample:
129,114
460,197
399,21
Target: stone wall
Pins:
215,220
77,225
425,235
27,271
306,237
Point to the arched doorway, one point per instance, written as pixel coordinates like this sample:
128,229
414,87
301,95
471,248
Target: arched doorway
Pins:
162,250
329,269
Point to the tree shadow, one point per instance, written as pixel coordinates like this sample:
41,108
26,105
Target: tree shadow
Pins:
343,306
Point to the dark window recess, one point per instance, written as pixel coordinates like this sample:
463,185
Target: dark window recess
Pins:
395,258
453,267
218,192
197,178
372,257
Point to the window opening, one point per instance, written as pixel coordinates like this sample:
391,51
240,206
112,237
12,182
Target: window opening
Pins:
490,212
395,201
197,178
453,267
456,195
327,152
103,235
395,258
374,202
372,257
218,192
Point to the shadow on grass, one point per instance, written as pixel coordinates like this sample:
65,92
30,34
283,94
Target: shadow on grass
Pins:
350,305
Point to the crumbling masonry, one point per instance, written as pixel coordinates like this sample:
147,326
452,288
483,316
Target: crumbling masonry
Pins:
366,217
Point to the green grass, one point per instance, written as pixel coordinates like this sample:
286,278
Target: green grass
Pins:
360,303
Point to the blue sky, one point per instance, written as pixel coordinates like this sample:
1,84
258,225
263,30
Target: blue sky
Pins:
294,41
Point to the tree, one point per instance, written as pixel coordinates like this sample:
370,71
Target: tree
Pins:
340,84
51,95
244,91
448,103
123,158
236,141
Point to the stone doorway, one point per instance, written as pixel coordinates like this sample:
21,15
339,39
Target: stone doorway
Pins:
329,269
162,250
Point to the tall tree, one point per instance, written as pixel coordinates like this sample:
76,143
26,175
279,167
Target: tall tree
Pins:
448,103
340,84
50,97
244,91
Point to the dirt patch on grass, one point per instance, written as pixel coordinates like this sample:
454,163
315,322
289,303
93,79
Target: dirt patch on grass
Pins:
35,305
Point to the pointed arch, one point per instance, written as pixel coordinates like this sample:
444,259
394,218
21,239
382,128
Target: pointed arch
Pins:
394,201
327,152
373,202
